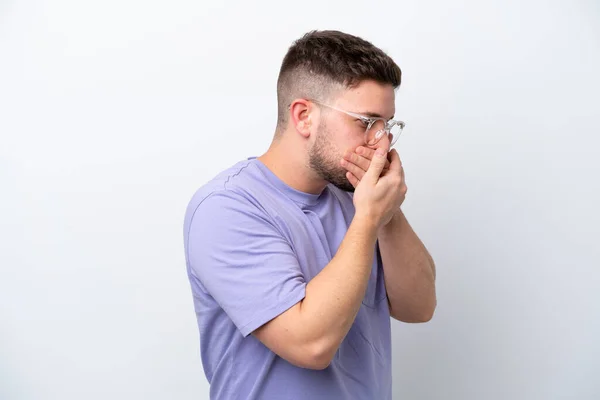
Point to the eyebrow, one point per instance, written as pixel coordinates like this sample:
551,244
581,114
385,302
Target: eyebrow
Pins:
373,115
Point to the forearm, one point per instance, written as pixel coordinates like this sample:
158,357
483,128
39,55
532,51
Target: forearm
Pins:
409,271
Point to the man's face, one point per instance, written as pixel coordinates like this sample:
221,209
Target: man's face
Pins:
338,132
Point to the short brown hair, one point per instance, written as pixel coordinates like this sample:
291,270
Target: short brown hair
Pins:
322,61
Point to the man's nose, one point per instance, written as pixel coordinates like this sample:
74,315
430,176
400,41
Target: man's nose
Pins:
384,142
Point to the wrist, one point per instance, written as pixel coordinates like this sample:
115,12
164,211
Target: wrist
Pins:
366,223
393,221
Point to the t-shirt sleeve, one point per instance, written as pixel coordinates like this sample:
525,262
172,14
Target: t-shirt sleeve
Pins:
243,261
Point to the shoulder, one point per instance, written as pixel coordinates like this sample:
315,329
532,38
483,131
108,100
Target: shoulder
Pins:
227,197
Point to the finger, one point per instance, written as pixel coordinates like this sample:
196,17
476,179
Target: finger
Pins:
353,179
359,160
395,163
353,168
376,167
368,153
363,162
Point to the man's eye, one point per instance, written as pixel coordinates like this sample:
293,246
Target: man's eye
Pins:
363,122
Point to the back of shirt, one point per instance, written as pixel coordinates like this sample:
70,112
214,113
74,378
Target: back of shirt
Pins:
252,243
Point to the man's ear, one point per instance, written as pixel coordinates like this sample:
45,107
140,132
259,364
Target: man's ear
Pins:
301,116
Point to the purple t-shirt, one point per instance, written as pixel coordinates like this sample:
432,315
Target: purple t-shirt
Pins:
252,243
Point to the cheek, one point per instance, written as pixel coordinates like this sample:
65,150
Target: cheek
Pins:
348,137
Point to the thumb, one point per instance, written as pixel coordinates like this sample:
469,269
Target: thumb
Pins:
376,166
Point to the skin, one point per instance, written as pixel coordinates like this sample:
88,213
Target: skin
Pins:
321,146
408,267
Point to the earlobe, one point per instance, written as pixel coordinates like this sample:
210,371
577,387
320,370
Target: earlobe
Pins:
306,124
304,128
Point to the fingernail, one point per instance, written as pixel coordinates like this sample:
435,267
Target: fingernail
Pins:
380,152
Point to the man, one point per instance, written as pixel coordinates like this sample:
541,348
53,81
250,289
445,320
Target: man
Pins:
298,258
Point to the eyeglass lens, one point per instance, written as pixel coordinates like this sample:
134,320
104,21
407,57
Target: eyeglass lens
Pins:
377,131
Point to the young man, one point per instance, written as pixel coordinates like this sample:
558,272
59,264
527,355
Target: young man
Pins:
298,258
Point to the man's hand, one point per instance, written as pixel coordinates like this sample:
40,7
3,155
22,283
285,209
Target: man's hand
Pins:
379,192
357,163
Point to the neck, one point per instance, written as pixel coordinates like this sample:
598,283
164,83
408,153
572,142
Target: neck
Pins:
287,159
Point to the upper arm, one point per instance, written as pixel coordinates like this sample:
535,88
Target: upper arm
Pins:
251,271
243,261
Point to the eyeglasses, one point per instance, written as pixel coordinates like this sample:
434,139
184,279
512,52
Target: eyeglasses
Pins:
375,127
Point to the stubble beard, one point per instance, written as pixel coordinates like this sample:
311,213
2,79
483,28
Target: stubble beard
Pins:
324,162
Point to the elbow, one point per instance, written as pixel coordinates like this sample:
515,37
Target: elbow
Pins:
413,318
428,312
422,315
318,363
317,355
321,355
426,316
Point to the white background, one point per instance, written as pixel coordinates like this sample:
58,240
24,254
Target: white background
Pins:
113,113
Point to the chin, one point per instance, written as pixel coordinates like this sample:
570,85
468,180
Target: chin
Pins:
345,186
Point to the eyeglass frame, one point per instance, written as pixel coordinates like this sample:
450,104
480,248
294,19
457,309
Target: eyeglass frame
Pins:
388,124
